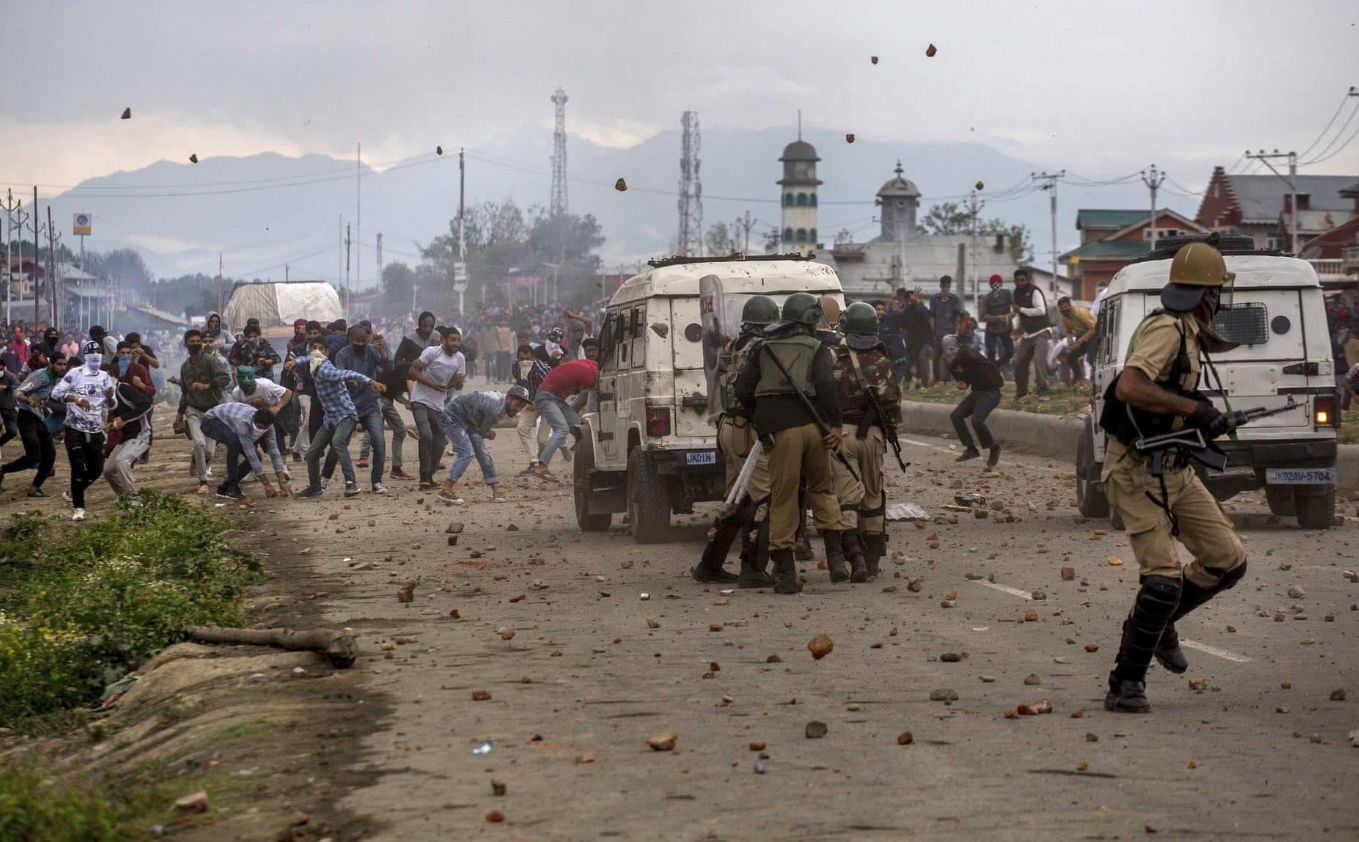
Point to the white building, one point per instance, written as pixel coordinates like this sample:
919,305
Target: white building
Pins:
798,186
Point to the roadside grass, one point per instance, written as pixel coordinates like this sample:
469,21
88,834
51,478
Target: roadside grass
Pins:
1062,400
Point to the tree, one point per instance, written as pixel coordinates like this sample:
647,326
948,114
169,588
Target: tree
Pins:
843,238
953,218
718,240
398,289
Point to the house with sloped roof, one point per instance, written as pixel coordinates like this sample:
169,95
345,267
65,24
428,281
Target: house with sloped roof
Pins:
1259,206
1111,239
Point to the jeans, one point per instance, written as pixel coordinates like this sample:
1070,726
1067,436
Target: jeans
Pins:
118,467
204,448
431,439
39,449
86,454
559,416
466,444
336,434
393,420
1032,349
977,405
219,432
11,421
371,421
1002,342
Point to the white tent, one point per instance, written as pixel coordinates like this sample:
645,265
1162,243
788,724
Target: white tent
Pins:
280,304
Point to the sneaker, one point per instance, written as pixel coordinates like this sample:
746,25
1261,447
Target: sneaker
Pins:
993,457
351,489
379,488
970,453
209,471
230,494
78,514
400,474
250,478
497,499
451,497
309,493
297,457
203,488
36,493
325,483
531,470
363,462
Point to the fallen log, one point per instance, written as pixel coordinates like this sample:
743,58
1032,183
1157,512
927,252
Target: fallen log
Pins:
339,647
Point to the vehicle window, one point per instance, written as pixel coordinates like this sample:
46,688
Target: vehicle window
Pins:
637,355
1109,312
608,341
1244,324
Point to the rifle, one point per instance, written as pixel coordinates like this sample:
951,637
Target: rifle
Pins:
1192,442
807,405
889,427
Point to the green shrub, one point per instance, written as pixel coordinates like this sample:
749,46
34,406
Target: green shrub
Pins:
35,809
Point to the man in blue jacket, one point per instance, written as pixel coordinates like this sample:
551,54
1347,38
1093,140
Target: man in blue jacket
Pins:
468,420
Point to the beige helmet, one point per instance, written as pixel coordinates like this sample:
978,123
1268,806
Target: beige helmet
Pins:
831,308
1196,269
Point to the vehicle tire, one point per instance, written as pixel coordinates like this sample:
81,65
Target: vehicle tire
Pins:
648,500
1315,511
580,474
1281,500
1090,497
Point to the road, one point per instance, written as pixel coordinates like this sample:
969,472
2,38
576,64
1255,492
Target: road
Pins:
613,643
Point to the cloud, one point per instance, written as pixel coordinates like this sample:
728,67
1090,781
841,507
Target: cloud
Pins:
161,245
620,134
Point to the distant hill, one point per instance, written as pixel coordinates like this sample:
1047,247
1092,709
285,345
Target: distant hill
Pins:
236,206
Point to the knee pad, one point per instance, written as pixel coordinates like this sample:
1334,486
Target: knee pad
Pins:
1231,577
1159,596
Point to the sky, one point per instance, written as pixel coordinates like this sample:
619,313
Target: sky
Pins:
1105,88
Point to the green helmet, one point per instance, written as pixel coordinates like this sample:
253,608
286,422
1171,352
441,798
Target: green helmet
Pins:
802,308
760,310
860,317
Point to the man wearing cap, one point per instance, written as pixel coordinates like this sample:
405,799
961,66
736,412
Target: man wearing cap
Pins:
996,307
468,420
1157,392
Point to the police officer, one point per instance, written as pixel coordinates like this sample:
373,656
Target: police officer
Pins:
1157,393
863,363
799,453
735,437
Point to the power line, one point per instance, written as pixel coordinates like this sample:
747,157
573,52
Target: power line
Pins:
1323,155
1344,99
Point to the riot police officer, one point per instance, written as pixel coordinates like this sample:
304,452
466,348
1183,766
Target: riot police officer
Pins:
862,364
735,438
799,452
1155,393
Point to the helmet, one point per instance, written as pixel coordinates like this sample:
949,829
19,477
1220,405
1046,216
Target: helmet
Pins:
860,317
760,310
1195,269
802,308
517,391
831,308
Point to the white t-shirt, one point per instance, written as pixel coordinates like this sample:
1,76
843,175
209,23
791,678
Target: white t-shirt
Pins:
441,368
264,388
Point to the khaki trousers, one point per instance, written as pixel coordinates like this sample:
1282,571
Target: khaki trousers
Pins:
533,445
866,455
1204,528
735,437
799,456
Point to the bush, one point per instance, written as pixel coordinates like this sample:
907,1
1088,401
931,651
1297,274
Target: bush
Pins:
34,809
90,607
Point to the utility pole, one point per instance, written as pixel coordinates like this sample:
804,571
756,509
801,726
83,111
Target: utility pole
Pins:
974,207
1292,181
1153,179
379,259
346,273
460,269
1051,180
745,223
11,208
358,223
52,266
219,283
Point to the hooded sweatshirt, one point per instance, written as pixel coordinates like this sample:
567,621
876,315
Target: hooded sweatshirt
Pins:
94,385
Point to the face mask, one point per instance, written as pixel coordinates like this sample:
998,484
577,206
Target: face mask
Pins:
123,363
317,357
359,350
195,349
525,366
93,362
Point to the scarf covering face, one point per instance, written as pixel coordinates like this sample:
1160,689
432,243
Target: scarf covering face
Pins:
123,363
245,377
93,362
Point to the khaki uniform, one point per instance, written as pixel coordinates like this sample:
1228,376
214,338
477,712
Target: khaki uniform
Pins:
800,455
1204,528
735,437
866,455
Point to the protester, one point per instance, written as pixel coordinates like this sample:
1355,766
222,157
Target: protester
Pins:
996,309
371,362
972,369
242,427
1032,309
467,421
39,449
560,385
438,370
341,419
88,392
201,381
130,425
1078,326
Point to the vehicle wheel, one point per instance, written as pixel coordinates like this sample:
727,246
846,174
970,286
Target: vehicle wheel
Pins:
580,474
1280,499
648,500
1090,497
1315,511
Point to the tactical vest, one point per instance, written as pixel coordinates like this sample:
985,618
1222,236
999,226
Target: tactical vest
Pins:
730,363
1023,296
796,352
1129,423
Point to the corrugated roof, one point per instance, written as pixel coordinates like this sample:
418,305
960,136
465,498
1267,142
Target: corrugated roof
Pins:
1261,197
1103,218
1108,250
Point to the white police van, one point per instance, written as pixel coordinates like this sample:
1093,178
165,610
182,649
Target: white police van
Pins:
1277,315
649,447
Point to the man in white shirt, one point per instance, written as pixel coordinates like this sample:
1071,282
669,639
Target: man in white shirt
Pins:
88,393
437,376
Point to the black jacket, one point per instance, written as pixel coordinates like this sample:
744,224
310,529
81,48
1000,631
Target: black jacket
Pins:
977,371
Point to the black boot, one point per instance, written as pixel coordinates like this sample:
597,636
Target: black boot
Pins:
993,457
753,561
854,552
709,569
1168,652
1152,611
835,555
785,572
875,547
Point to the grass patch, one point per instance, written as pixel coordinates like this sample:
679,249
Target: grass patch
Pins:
1062,400
81,608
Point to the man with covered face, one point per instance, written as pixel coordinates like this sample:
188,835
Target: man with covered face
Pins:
1157,392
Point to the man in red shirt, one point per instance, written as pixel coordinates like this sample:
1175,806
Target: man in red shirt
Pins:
560,385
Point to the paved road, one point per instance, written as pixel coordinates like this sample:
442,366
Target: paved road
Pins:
594,668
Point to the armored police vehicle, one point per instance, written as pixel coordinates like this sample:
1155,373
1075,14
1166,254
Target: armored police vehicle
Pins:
1275,313
650,447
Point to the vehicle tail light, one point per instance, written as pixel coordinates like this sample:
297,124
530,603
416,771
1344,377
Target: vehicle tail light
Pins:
1323,412
658,422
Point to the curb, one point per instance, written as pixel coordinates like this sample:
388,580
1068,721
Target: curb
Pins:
1050,435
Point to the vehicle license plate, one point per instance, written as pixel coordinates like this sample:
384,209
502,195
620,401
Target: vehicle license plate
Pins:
1300,476
702,457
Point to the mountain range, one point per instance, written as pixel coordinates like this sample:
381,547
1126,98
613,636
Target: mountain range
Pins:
268,214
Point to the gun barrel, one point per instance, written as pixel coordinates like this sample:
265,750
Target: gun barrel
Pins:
811,410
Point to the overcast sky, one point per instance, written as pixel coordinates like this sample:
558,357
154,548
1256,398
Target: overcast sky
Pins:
1100,88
